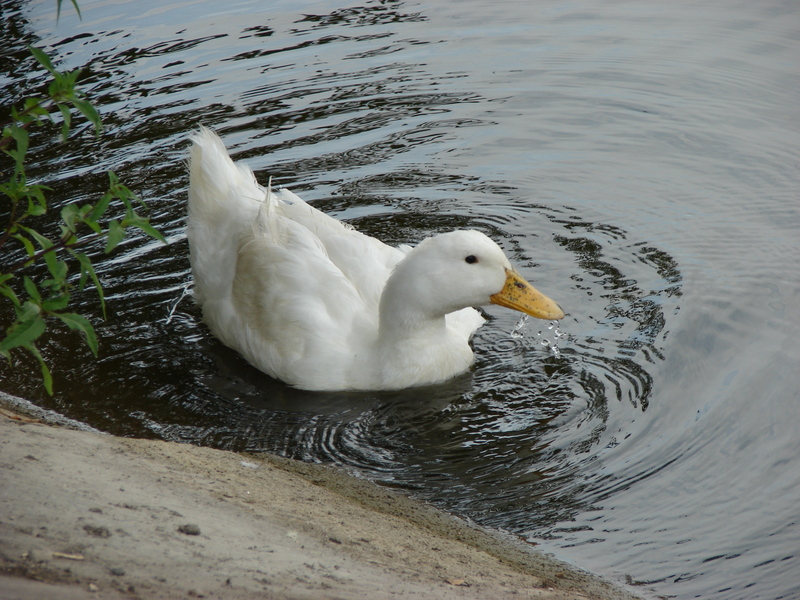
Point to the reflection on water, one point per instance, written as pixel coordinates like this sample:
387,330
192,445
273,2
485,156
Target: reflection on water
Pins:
634,161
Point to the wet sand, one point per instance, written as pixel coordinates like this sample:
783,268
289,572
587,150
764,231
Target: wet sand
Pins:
89,515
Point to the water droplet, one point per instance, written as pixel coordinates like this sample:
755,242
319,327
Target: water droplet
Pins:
516,332
548,342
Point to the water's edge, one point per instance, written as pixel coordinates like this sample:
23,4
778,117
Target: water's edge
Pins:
505,547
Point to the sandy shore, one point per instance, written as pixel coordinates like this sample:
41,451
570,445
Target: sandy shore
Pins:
88,515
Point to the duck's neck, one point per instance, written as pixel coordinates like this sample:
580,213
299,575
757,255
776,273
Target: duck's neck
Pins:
401,321
416,347
402,328
404,315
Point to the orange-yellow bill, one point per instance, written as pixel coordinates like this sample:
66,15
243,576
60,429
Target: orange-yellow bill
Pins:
518,294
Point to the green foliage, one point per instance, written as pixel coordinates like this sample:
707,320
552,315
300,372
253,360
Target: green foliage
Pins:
74,4
41,299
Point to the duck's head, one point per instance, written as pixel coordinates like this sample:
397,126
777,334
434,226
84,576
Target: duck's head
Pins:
464,268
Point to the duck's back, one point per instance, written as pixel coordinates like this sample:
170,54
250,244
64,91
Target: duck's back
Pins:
293,290
365,261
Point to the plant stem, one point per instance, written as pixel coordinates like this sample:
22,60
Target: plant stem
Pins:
11,221
60,245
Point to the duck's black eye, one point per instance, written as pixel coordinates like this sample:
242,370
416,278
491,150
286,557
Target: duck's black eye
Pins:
471,259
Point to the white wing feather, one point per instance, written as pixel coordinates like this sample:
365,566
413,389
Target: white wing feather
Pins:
276,277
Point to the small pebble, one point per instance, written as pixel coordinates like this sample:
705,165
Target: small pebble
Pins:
118,571
97,531
189,529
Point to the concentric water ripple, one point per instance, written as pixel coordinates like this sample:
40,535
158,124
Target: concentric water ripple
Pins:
636,162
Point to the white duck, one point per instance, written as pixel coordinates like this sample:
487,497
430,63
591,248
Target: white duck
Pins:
310,301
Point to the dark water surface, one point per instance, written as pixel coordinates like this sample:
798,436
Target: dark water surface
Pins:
640,162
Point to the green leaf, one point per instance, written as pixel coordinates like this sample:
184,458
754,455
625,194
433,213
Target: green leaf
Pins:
57,90
44,242
86,215
6,291
32,290
89,111
82,324
37,203
87,269
83,260
42,57
121,191
66,115
23,333
20,136
58,269
34,108
71,214
58,303
101,207
46,376
74,3
52,263
144,224
77,8
71,78
25,242
38,209
28,311
116,233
